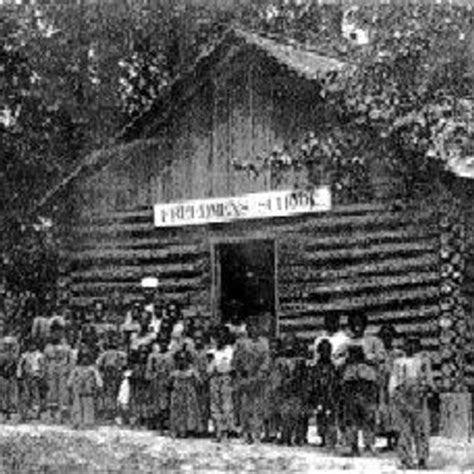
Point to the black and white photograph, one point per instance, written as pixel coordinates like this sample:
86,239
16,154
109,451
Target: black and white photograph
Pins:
236,236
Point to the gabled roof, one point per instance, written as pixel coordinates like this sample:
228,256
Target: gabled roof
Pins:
289,54
295,57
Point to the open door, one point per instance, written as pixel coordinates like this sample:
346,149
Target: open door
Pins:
244,275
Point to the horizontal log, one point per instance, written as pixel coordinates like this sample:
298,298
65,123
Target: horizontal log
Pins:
138,271
183,298
165,285
358,238
429,343
141,254
391,265
382,283
370,253
137,243
429,312
367,302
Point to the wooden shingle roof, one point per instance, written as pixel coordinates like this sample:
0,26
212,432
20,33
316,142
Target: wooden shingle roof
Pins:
291,55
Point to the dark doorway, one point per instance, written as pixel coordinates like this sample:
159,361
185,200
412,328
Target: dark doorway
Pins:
245,279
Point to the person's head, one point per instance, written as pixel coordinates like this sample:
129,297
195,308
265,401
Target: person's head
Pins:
143,352
31,344
198,338
253,329
136,310
182,360
145,320
412,346
111,339
222,336
56,330
189,327
163,342
173,311
275,346
98,308
290,345
324,350
387,334
358,323
332,323
85,355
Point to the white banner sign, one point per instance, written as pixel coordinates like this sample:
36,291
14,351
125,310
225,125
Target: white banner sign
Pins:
249,206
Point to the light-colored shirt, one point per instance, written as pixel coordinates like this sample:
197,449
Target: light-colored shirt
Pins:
338,341
222,360
412,371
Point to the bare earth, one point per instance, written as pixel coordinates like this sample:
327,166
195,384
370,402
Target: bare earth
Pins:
110,450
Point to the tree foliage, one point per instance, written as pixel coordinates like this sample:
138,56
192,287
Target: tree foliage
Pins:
74,72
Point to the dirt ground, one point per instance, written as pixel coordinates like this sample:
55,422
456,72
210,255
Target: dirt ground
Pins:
50,449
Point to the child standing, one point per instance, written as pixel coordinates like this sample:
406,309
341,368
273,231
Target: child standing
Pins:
30,373
219,370
158,372
410,385
324,394
84,384
111,364
185,415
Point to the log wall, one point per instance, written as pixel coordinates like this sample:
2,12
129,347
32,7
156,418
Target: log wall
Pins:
363,256
469,276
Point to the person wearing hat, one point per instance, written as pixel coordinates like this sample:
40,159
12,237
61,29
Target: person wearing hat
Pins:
58,361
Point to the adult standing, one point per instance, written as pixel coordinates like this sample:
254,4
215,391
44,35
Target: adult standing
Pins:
251,364
59,361
363,355
9,355
140,348
386,412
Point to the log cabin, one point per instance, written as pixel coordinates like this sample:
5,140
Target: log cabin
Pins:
167,201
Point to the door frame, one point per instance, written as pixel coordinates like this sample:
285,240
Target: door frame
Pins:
216,275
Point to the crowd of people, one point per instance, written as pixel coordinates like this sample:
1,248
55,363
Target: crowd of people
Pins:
161,371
